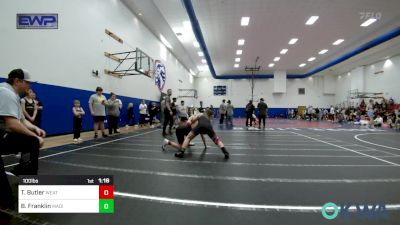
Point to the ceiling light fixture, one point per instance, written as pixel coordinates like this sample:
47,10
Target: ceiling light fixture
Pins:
312,20
245,21
271,65
323,51
368,22
293,41
196,44
236,65
237,59
302,65
201,54
241,42
283,51
338,42
311,59
276,59
239,52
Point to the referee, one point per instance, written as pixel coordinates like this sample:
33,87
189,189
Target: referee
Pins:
16,133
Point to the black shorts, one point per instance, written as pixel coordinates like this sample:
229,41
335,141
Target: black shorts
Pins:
204,127
99,118
181,132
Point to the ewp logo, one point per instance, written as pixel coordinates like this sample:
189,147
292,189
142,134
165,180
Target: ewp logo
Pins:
350,211
37,21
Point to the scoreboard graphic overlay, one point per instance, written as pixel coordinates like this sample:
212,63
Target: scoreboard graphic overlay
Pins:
66,194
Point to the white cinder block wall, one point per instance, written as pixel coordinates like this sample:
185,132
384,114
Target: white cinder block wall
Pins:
66,56
239,92
320,91
365,79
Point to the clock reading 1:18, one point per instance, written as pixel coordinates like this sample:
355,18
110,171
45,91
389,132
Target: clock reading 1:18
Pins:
104,180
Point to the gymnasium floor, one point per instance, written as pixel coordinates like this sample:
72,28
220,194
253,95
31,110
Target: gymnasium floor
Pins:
283,175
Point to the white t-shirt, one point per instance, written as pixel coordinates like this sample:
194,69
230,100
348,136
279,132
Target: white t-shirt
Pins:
96,101
9,105
143,109
332,111
378,120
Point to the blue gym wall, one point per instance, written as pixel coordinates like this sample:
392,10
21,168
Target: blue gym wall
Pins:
58,102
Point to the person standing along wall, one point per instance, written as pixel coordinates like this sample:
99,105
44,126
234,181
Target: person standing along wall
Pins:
39,108
249,113
168,113
113,112
162,109
229,113
129,115
174,113
222,112
153,109
29,106
97,108
143,113
78,112
262,112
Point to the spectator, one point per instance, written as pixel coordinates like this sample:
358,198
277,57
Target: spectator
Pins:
174,112
370,109
78,112
162,110
363,107
182,111
397,120
17,134
310,112
168,113
129,115
331,116
29,106
378,122
201,108
39,107
120,109
113,112
318,113
143,113
249,113
153,110
262,112
229,113
391,106
222,112
97,108
325,114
